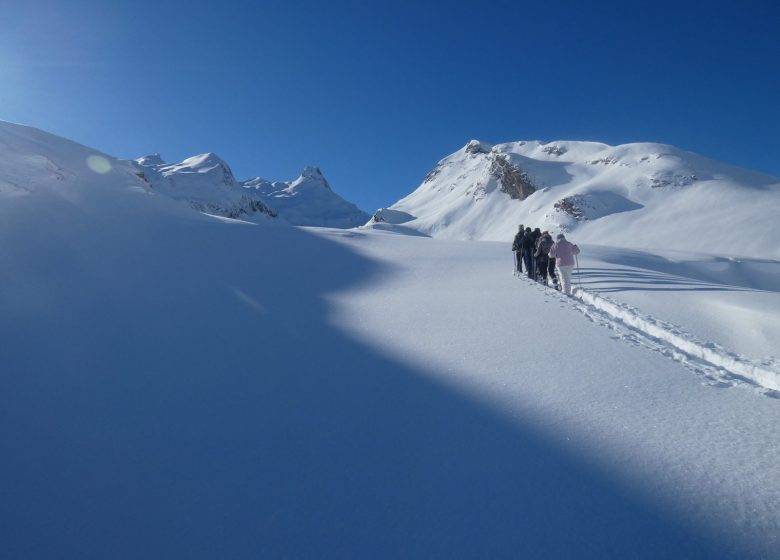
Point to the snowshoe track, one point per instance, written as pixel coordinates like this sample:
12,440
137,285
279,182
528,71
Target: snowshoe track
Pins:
718,366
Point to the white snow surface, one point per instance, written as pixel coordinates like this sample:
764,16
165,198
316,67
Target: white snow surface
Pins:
181,385
642,195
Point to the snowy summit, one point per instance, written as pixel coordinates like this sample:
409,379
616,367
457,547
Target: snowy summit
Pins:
309,201
641,195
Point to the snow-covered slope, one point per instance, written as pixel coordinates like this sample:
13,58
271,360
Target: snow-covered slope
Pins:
167,389
308,201
640,195
34,163
204,182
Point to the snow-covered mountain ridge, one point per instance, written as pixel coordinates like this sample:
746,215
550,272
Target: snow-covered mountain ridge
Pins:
205,182
33,160
644,195
208,184
308,200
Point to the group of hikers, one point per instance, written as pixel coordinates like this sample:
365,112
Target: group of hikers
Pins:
541,256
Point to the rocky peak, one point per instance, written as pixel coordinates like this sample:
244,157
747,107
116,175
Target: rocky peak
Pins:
311,175
478,147
311,171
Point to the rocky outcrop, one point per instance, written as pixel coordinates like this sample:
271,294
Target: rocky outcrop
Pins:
432,174
244,207
477,147
386,215
511,178
554,150
660,180
571,205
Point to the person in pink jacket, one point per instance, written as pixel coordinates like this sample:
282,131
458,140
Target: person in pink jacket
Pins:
563,251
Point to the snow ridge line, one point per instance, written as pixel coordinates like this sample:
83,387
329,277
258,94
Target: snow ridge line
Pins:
707,352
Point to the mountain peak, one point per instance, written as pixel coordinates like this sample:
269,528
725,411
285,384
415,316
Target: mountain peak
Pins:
478,147
601,191
151,159
204,160
311,171
311,175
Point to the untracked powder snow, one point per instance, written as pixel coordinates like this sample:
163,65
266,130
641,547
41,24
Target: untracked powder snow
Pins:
181,384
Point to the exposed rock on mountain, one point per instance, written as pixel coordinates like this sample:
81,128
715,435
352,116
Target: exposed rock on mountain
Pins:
513,180
640,195
477,147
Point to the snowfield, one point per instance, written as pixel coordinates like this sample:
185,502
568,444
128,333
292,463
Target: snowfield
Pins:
614,395
182,385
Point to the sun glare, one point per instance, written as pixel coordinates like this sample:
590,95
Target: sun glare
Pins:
98,164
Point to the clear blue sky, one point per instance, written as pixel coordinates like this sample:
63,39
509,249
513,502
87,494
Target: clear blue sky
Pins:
375,93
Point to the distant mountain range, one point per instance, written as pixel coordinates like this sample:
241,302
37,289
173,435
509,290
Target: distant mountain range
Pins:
641,195
32,159
207,184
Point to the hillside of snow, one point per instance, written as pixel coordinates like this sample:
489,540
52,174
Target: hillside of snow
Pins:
180,384
649,196
41,169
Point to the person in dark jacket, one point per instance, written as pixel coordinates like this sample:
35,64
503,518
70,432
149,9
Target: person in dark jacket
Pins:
536,234
528,252
517,247
544,263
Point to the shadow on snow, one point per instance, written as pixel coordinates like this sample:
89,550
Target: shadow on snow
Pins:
712,273
185,395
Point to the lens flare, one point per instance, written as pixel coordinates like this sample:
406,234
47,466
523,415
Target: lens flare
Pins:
98,164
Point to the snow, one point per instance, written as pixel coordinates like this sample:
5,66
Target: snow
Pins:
176,384
308,201
206,183
151,159
733,302
584,379
385,215
641,196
